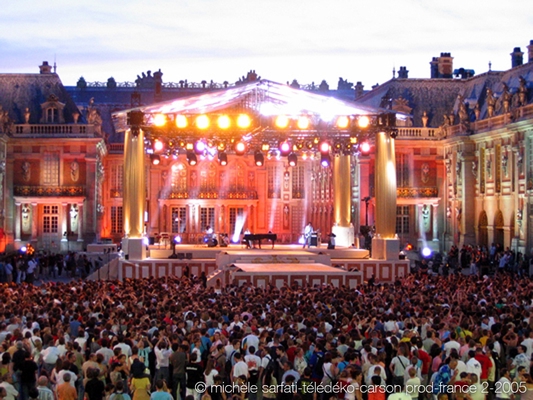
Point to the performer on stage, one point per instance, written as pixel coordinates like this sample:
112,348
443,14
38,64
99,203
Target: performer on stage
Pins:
308,230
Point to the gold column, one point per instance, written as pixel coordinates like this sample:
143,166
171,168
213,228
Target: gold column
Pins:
342,190
385,186
134,190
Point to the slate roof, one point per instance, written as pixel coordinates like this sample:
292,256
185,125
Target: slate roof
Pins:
18,91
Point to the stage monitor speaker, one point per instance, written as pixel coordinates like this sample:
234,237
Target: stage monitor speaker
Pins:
151,240
188,256
181,256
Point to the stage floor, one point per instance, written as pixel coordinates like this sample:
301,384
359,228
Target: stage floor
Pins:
198,251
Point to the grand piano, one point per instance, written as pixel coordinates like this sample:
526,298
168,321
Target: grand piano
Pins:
250,239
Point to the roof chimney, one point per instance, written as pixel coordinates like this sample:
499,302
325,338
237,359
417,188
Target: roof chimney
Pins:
403,73
45,68
517,57
530,51
359,89
434,65
445,65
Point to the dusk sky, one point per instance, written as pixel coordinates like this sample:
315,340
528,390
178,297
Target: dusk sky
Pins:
281,40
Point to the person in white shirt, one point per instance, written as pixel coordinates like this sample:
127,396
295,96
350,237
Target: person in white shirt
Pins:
503,389
308,230
529,344
452,344
162,356
239,369
7,384
473,366
50,355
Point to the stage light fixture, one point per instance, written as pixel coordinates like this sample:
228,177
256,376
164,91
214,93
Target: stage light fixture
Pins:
223,158
324,147
240,148
221,146
309,144
202,121
223,122
191,158
199,147
284,148
325,160
365,147
181,121
244,121
189,146
353,139
363,121
282,121
303,122
265,147
159,120
343,122
158,145
155,159
293,159
259,158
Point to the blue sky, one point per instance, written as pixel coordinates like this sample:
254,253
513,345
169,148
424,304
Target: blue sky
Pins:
282,40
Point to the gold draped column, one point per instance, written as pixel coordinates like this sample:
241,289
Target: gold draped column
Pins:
134,195
385,244
342,201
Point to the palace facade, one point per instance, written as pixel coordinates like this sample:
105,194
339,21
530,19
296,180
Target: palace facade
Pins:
464,164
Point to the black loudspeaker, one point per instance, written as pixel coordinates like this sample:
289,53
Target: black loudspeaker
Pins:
127,257
181,256
151,240
188,256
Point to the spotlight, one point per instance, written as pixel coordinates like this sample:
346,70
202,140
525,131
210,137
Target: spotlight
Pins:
259,158
240,148
202,121
293,159
426,251
158,145
181,121
265,146
282,121
223,158
221,146
191,158
325,160
303,123
324,147
155,159
224,122
189,146
244,121
363,122
160,120
199,147
343,122
285,148
365,148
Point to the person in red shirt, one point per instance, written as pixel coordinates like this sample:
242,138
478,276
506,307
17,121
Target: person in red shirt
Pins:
461,387
425,358
485,362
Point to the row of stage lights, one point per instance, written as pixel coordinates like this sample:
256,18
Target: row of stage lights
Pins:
244,121
285,149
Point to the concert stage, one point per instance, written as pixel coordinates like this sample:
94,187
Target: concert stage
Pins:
283,265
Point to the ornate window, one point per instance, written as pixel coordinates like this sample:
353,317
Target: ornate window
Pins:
236,220
274,182
207,218
402,170
402,220
116,220
51,169
117,176
298,191
179,219
50,219
178,180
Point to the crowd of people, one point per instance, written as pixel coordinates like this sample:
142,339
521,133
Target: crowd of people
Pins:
174,338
